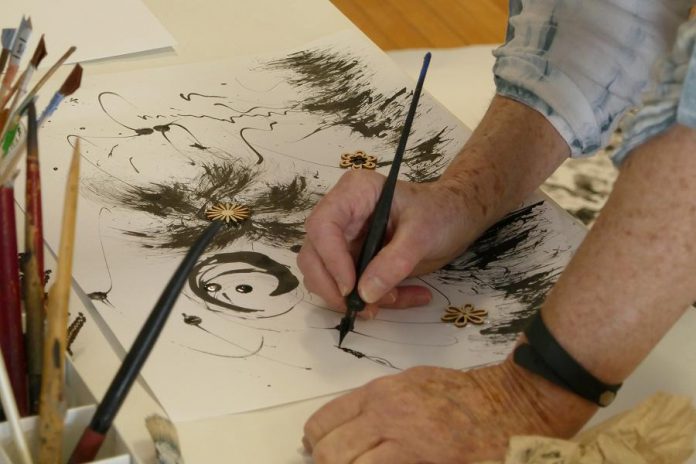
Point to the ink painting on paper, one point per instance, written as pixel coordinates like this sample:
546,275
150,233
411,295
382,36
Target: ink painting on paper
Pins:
160,147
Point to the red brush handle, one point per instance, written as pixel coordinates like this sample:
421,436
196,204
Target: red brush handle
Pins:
87,448
11,337
33,195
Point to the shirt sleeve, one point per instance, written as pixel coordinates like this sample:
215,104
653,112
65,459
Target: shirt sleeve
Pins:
671,100
583,63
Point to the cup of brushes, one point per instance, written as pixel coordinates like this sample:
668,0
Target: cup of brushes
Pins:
32,361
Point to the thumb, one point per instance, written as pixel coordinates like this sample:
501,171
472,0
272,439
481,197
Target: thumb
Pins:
394,263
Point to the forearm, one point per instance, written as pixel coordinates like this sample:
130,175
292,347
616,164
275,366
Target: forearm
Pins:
632,278
512,151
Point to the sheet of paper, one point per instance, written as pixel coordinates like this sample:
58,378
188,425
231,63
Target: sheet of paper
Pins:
160,146
98,28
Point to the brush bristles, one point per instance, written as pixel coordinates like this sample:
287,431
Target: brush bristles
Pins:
40,53
165,438
72,83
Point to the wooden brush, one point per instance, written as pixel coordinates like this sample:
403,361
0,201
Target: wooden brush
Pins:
9,406
10,128
19,45
165,438
19,89
71,84
6,42
9,162
33,264
93,436
51,407
11,336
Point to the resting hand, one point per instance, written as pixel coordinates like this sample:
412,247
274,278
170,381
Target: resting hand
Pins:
437,415
427,229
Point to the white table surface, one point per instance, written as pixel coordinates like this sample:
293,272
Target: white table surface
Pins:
215,29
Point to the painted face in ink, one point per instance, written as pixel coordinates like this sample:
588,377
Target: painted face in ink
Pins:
245,283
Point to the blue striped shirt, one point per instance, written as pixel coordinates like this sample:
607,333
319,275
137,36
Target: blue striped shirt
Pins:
584,63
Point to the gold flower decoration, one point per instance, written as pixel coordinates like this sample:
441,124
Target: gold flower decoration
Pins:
358,160
228,212
460,316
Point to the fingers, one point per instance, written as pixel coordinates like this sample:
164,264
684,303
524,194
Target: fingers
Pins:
386,451
326,232
330,416
317,278
407,296
332,230
394,263
347,442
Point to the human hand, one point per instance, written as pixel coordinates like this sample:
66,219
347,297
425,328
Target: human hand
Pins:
428,227
437,415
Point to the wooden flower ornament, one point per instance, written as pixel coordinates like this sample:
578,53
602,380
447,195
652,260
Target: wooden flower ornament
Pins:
228,213
358,160
461,316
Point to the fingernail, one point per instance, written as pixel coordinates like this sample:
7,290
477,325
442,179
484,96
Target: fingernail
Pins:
343,288
307,446
423,299
372,289
368,314
389,298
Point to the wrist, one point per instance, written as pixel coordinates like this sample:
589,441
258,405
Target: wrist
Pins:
512,151
563,412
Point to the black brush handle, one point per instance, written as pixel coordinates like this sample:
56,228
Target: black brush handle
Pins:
146,339
378,227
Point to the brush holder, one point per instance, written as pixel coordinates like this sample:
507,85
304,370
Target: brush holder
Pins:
81,407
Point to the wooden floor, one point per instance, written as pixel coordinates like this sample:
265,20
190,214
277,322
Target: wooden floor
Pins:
394,24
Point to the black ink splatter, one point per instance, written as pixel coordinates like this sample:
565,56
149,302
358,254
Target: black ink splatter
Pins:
338,87
500,261
218,266
375,359
179,206
197,322
103,296
188,96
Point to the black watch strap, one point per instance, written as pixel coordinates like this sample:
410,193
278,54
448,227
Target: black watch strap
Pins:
544,356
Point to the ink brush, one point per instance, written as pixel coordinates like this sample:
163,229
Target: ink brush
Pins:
33,263
93,436
52,399
378,226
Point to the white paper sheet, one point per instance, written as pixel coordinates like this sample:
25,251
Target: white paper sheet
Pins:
98,28
161,145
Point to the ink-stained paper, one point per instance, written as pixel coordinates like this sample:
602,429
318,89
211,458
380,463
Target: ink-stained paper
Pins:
98,28
160,146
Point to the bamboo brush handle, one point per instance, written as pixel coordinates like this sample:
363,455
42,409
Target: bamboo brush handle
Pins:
52,406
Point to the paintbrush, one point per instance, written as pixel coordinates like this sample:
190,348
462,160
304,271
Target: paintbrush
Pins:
19,45
166,440
11,336
52,407
10,408
33,264
6,41
378,226
71,84
10,129
93,436
8,163
19,89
